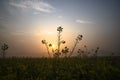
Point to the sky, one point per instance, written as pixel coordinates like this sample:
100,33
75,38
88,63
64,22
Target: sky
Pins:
24,23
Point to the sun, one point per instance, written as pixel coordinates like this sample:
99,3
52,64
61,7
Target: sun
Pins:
53,46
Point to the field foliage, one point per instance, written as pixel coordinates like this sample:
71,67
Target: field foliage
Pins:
73,68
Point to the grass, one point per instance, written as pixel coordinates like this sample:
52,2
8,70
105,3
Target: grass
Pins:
75,68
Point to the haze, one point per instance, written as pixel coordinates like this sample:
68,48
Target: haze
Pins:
24,23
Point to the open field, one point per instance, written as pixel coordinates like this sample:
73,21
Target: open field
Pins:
60,69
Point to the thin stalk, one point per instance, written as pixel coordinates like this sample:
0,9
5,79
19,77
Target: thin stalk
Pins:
52,51
58,42
73,48
48,50
3,54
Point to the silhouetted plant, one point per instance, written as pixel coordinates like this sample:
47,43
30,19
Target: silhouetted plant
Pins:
4,47
57,53
87,53
59,29
65,51
96,52
51,46
85,48
79,38
112,54
81,53
46,44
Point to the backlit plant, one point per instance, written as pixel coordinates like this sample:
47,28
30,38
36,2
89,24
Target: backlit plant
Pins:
58,52
4,47
79,38
46,44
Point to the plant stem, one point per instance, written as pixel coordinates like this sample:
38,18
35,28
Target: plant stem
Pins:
48,50
58,42
73,48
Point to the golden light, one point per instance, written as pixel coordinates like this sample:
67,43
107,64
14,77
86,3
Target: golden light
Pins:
53,46
50,33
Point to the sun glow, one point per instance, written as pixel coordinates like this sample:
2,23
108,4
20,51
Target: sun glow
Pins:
53,46
50,33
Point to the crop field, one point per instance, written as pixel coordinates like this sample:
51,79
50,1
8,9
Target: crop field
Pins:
104,68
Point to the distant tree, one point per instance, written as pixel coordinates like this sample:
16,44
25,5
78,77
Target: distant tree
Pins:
4,47
79,38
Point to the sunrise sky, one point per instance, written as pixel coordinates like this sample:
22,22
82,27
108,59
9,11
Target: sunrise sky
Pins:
24,23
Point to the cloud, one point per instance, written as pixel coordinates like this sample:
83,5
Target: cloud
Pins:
83,21
36,13
60,17
39,6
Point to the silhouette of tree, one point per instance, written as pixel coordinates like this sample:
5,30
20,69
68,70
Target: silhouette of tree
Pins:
4,47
